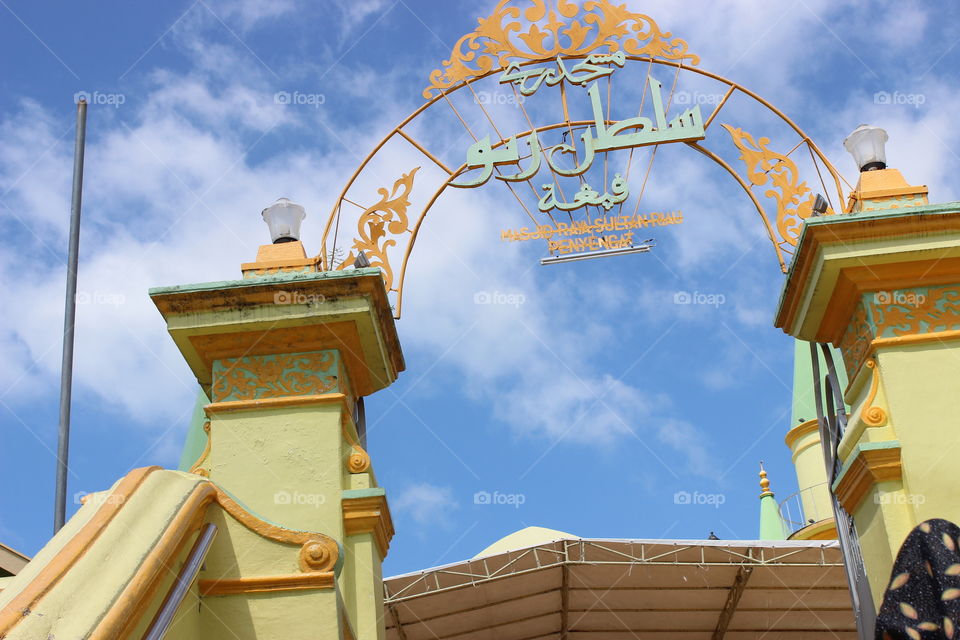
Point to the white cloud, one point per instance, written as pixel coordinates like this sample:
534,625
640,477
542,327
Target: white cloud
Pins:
426,504
174,189
691,444
252,12
356,13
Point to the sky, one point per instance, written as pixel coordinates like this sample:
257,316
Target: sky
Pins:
581,397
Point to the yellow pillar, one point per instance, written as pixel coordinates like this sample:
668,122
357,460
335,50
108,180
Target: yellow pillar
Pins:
882,284
284,355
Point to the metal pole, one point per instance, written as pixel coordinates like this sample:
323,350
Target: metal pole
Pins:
69,319
181,585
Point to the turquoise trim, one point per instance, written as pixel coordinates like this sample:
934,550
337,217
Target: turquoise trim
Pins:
336,567
276,375
899,212
893,301
864,446
263,281
364,493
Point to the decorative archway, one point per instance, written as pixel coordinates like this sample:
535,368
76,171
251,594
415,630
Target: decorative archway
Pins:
581,49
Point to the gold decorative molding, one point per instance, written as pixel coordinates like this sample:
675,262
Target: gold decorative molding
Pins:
938,336
318,555
928,310
825,529
801,430
72,551
274,403
855,345
197,467
557,27
872,415
388,216
262,584
369,514
160,562
766,167
274,376
318,552
899,316
359,460
317,558
869,467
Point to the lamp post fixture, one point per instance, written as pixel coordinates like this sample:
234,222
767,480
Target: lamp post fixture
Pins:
866,145
283,218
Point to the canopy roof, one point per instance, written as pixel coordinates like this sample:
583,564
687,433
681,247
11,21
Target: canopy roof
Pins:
629,589
11,560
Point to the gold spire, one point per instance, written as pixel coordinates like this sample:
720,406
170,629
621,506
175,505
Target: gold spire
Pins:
764,483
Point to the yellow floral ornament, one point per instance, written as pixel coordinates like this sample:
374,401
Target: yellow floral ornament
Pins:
556,27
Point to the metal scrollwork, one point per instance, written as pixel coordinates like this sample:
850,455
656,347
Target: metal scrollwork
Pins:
569,30
377,223
766,167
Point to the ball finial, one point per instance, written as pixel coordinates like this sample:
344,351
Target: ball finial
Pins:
764,483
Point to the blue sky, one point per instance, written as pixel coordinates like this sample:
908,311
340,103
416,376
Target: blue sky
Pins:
591,402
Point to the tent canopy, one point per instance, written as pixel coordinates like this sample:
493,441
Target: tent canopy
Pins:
629,589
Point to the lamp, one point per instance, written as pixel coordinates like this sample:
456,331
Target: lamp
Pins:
866,145
361,261
820,205
283,218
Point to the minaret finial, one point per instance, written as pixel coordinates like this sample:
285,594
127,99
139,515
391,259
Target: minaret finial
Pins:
764,483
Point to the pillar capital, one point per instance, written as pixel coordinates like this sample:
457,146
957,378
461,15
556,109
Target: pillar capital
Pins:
283,314
855,278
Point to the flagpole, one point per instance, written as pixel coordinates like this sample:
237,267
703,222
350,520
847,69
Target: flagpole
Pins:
69,319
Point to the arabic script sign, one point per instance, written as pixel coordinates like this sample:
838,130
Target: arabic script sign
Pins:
582,100
598,137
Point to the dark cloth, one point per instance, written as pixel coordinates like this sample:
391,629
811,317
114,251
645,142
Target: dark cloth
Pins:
922,601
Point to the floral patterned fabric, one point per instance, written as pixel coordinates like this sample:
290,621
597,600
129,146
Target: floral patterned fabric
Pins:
922,601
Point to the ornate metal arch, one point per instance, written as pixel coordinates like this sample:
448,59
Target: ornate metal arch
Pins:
545,31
